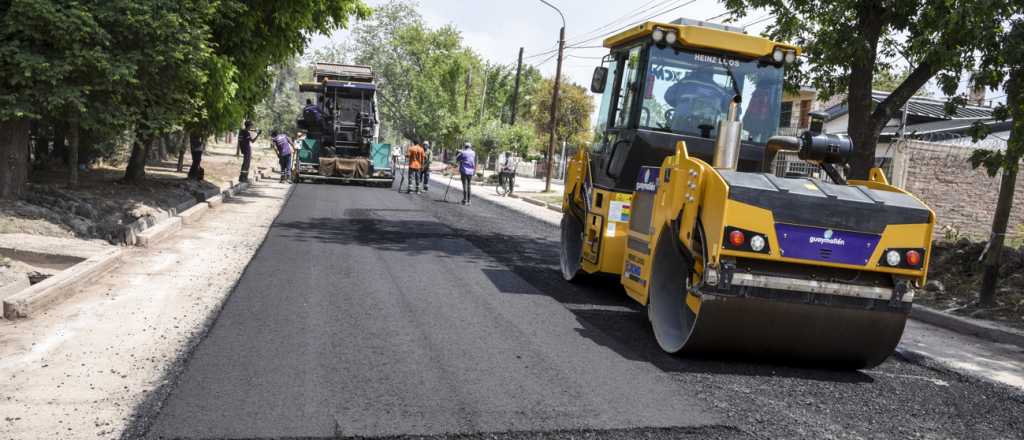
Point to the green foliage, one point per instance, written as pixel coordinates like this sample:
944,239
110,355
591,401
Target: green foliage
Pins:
848,42
493,137
255,34
572,117
431,86
283,106
1004,67
60,59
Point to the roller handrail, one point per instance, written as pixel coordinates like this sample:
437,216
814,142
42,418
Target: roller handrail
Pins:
776,144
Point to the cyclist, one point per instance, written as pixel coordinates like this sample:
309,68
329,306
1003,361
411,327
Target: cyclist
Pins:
507,172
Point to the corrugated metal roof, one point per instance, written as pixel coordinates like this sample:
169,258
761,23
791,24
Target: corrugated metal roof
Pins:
937,131
922,107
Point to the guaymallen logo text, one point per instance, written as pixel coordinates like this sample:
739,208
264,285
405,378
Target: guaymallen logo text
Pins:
646,184
828,238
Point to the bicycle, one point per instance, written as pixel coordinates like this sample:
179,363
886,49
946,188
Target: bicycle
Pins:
506,183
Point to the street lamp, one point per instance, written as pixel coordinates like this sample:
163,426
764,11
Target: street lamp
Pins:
554,99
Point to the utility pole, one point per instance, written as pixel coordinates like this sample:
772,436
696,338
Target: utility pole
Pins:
554,110
515,94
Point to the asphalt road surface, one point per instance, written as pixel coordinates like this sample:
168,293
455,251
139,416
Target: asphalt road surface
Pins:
369,313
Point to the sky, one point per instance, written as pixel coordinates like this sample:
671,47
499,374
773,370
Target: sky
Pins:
497,29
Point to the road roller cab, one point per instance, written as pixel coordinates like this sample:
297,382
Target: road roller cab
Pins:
676,200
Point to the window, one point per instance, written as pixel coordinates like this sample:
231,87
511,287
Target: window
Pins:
689,93
805,113
606,103
629,85
786,117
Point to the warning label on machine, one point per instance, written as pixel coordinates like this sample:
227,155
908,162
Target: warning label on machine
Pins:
619,212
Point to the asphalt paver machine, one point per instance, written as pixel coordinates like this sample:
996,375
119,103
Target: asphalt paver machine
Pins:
343,128
677,200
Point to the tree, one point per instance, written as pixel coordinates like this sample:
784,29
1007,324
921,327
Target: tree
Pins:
59,62
1002,66
848,42
420,73
175,69
245,39
573,116
281,109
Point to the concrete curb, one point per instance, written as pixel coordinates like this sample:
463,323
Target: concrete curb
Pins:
192,215
59,287
158,233
973,327
13,288
148,232
215,201
532,201
168,227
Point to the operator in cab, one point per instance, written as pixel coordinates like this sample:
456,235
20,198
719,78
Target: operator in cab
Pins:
698,102
312,115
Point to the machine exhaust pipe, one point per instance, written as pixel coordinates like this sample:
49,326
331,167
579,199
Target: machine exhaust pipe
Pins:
727,144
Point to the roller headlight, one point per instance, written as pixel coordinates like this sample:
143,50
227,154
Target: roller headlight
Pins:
658,35
757,243
778,55
671,37
790,57
892,258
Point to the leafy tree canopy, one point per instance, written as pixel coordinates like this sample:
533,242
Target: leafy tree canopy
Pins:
848,42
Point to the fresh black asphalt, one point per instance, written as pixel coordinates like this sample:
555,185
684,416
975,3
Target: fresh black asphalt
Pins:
369,313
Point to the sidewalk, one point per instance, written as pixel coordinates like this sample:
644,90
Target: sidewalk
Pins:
82,368
922,343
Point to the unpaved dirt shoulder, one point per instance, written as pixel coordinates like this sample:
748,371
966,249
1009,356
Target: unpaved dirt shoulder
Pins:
81,369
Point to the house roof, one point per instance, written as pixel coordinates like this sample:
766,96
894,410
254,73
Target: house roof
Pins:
940,131
921,106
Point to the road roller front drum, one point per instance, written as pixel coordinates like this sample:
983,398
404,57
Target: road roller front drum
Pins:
571,254
767,324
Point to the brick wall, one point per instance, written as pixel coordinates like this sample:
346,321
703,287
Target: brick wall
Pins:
962,197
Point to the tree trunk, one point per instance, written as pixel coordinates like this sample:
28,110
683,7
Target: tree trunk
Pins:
14,162
180,143
42,146
862,129
136,171
994,253
60,145
73,144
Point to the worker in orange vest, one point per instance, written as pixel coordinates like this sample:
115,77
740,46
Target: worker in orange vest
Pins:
417,159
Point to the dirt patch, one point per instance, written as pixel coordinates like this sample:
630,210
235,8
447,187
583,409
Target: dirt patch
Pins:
102,205
955,277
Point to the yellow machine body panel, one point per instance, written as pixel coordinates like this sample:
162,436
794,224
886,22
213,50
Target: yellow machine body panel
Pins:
703,38
606,232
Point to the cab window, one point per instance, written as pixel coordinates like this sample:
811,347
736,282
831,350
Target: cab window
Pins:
628,87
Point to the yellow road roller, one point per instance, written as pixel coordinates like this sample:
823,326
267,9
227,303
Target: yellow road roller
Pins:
677,198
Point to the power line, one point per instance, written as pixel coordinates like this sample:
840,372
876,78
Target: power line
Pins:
759,20
647,7
719,16
612,22
663,12
602,29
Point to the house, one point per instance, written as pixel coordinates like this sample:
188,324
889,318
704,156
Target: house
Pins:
930,160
